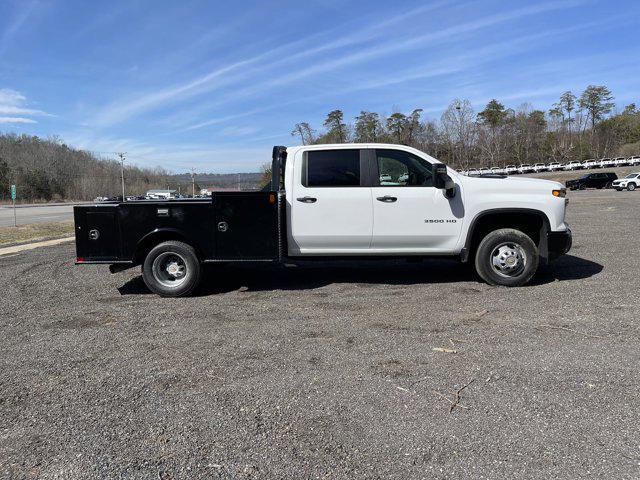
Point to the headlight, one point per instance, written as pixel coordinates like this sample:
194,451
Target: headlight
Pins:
559,193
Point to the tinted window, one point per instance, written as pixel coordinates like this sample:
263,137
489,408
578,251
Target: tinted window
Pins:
403,169
333,168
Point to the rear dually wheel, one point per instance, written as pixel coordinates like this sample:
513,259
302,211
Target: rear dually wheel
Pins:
171,269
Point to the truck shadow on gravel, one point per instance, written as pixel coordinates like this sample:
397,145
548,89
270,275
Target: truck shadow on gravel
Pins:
567,267
312,275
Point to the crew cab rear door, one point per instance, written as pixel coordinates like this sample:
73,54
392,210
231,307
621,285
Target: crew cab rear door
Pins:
410,215
331,206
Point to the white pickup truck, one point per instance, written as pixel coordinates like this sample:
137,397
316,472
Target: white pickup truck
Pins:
346,201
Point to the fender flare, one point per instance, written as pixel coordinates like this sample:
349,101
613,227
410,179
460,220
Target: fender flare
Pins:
542,244
174,233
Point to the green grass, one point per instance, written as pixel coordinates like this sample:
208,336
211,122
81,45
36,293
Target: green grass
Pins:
35,232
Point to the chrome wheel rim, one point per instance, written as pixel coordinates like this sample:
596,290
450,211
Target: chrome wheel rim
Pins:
170,269
508,259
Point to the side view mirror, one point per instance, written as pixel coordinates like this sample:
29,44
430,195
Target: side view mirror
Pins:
443,181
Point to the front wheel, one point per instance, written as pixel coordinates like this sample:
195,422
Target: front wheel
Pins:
631,187
171,269
507,257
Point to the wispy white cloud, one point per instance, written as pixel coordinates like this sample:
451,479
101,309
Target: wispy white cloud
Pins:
11,97
386,47
175,157
224,119
238,131
12,103
16,120
276,57
25,9
471,59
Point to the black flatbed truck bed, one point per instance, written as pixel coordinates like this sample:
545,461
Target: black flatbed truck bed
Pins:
229,227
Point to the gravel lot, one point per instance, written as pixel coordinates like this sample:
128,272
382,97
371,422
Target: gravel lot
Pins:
328,372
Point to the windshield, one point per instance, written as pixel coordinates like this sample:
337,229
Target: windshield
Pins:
584,177
631,175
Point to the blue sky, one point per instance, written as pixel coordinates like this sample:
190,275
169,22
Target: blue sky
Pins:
213,85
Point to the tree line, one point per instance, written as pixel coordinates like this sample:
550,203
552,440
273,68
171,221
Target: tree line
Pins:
577,127
47,169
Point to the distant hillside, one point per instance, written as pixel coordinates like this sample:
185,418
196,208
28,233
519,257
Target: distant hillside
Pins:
47,169
242,181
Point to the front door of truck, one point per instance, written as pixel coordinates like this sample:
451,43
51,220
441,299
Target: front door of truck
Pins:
330,209
409,214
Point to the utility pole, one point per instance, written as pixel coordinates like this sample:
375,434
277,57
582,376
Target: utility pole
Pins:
193,183
121,155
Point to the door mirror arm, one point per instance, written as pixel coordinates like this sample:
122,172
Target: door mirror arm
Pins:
443,181
450,188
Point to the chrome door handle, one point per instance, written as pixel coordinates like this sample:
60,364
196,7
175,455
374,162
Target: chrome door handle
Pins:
307,199
387,199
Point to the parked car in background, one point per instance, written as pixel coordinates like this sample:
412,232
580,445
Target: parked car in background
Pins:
591,163
485,171
574,165
510,169
473,171
555,166
607,162
540,167
621,161
497,171
525,168
630,182
635,160
592,180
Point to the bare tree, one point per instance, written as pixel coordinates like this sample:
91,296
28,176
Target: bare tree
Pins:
305,132
459,131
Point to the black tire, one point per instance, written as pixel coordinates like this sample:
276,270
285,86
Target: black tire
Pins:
608,185
506,239
582,187
631,186
163,265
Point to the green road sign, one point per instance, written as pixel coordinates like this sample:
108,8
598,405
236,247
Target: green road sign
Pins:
13,192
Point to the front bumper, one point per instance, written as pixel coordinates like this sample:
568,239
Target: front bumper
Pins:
559,243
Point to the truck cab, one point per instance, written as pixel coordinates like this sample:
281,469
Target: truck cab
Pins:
341,201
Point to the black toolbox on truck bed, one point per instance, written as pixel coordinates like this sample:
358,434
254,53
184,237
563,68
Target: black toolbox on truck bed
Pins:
231,226
247,225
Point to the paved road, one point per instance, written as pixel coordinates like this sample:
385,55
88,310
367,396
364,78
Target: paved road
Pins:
326,371
35,214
